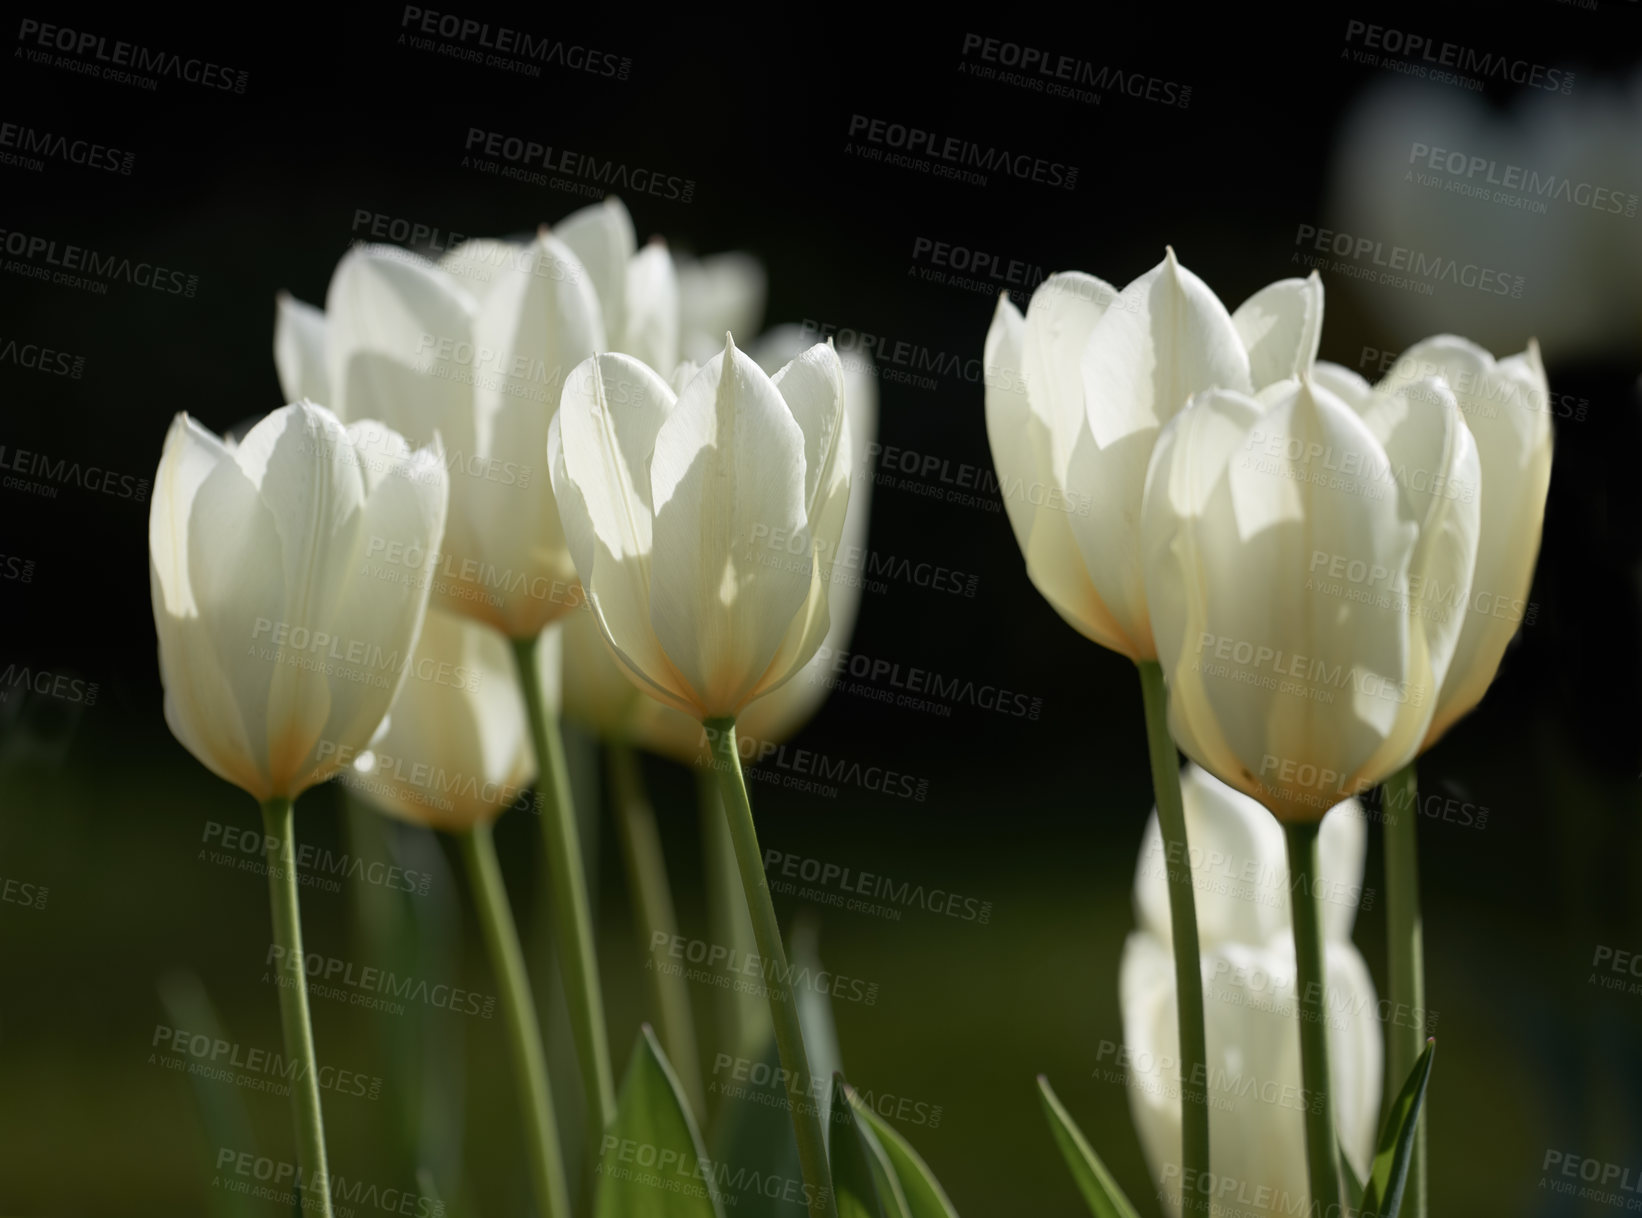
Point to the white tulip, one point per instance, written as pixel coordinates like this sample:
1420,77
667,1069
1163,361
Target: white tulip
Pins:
280,650
1506,408
455,751
1077,392
704,525
1303,563
1256,1098
598,695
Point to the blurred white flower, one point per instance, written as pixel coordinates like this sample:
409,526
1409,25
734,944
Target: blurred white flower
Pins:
1256,1097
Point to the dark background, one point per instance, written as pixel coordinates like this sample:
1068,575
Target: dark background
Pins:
257,192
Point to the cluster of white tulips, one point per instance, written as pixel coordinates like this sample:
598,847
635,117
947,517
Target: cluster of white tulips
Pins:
542,476
498,492
1316,577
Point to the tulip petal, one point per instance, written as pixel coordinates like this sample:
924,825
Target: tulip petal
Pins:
1506,406
1343,383
1166,337
601,236
477,264
652,324
1280,326
455,752
1433,463
377,621
599,449
299,350
1019,439
1060,317
201,706
540,320
812,385
1365,673
401,347
733,555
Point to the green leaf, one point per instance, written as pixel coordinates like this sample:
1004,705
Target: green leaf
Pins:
863,1183
752,1134
651,1162
1384,1195
1105,1198
1353,1186
752,1128
925,1198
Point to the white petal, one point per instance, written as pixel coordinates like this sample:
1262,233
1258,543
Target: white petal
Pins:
1281,325
478,264
599,449
1165,338
401,346
602,237
1061,315
812,385
733,555
201,706
456,751
299,351
1433,461
652,322
1506,406
1343,383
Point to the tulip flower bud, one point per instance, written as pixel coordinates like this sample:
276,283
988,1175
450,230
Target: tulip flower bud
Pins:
455,750
704,527
1077,393
1300,560
283,637
598,695
1256,1097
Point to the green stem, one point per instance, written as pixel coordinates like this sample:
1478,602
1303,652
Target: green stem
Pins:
1405,949
653,911
1188,960
278,823
572,920
743,1021
519,1010
1322,1143
789,1033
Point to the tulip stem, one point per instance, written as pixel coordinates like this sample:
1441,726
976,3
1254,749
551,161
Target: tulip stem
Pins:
653,911
572,919
1405,949
789,1033
1188,966
541,1129
1322,1143
314,1185
743,1021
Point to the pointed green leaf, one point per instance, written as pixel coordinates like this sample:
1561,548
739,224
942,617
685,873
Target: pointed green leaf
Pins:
651,1161
863,1184
753,1129
1384,1194
753,1123
1353,1186
1100,1191
925,1198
